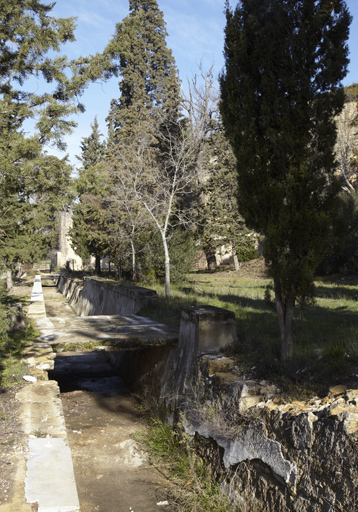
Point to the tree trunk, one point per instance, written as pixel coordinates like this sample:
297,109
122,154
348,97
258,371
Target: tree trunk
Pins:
235,258
210,254
166,265
9,283
97,267
285,312
133,258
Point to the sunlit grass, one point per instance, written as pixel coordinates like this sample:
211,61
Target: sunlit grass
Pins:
12,344
325,334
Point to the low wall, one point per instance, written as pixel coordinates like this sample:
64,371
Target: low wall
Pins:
94,296
268,455
277,456
163,376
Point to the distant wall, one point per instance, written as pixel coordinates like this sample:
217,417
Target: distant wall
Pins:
97,297
65,253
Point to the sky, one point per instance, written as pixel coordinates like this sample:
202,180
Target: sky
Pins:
195,34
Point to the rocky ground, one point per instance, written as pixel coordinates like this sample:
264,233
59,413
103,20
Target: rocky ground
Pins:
13,441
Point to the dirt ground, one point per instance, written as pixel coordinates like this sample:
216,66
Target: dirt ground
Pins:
13,441
111,471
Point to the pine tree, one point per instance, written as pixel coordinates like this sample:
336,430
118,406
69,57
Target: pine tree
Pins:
145,118
281,90
31,192
29,179
89,233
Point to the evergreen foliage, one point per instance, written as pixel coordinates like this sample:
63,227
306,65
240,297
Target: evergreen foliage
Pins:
89,233
183,255
342,256
281,89
222,223
149,83
143,149
33,184
4,321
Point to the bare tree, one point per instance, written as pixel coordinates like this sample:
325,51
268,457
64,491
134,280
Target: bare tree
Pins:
157,185
200,103
128,216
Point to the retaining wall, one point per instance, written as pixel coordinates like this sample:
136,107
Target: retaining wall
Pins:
93,296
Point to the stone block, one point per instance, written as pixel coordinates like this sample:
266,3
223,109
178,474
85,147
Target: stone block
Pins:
215,328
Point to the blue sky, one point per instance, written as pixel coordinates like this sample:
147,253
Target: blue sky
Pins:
196,33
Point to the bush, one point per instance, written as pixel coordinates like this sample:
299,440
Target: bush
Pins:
182,251
4,321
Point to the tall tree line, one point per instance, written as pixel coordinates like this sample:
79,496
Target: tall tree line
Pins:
158,141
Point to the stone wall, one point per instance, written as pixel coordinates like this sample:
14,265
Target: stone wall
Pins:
273,455
93,296
269,455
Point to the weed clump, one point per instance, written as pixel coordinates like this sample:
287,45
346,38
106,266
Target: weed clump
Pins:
193,488
12,343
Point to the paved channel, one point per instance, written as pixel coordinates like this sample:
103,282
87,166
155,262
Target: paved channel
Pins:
111,472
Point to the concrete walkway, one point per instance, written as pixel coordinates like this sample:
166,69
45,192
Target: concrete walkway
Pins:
49,481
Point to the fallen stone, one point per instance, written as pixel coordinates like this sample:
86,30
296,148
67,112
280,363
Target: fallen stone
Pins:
29,378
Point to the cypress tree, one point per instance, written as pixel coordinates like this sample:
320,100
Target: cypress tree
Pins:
281,90
149,84
143,120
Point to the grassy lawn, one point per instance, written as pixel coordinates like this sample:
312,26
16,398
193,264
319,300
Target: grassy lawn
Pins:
325,334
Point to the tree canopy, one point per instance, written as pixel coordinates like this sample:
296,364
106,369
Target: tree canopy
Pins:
281,90
89,233
32,183
143,123
149,84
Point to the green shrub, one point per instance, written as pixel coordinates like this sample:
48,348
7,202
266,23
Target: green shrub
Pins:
4,320
182,252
